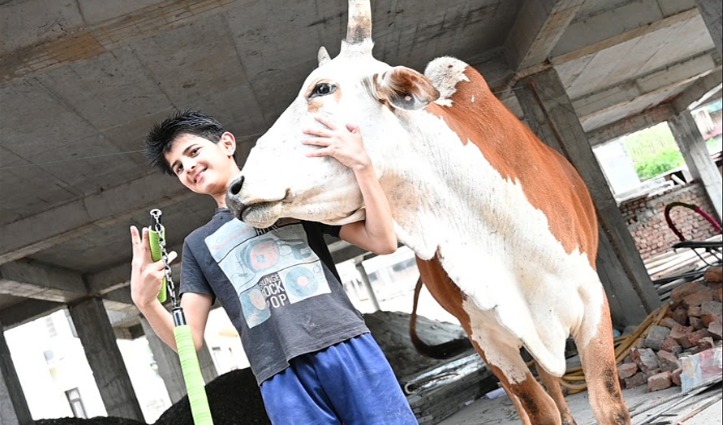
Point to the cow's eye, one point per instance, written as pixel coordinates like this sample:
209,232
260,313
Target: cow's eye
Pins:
322,89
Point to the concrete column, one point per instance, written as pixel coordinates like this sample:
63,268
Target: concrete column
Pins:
695,152
167,361
169,366
367,285
710,10
104,357
13,406
550,114
205,362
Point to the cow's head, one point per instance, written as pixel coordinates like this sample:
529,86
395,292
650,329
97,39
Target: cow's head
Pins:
279,180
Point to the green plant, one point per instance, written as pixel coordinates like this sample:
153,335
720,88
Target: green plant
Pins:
658,163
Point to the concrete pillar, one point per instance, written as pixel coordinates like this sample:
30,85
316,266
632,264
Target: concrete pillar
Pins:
695,152
205,362
13,406
367,285
710,10
169,366
550,114
104,357
167,361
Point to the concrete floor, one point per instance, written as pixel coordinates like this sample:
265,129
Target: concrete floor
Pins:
502,411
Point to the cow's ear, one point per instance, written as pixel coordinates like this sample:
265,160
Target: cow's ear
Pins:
404,88
323,56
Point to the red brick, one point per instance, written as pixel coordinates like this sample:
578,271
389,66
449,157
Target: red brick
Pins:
626,370
697,298
660,381
714,274
671,345
715,330
680,333
696,322
635,381
680,315
677,294
695,337
675,376
655,336
668,361
645,358
668,322
704,343
710,311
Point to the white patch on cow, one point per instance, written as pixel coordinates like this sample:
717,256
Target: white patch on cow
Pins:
445,73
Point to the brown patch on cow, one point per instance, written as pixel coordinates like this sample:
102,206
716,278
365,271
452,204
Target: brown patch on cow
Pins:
404,88
443,290
518,154
610,380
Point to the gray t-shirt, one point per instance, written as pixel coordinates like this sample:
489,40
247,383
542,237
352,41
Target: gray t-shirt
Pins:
278,286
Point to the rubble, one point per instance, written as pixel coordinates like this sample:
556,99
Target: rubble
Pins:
688,333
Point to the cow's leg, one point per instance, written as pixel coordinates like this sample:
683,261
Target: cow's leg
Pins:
518,406
552,385
598,363
533,404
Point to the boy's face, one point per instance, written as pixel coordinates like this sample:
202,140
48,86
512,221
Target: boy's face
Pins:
203,166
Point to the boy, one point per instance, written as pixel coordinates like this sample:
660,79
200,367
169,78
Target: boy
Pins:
311,353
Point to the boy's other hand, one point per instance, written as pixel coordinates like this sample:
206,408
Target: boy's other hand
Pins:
146,275
343,143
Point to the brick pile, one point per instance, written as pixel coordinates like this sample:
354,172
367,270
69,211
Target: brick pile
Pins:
691,325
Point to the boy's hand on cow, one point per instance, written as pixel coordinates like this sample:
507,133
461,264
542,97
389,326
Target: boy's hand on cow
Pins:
146,275
343,143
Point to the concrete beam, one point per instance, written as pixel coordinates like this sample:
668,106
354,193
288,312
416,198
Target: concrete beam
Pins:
537,28
697,90
25,237
711,11
25,311
29,279
81,43
630,124
665,78
596,33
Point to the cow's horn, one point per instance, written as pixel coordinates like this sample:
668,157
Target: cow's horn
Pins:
359,26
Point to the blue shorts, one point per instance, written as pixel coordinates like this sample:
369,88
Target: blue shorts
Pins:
349,383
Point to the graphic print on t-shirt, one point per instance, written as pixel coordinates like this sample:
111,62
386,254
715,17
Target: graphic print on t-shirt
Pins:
268,271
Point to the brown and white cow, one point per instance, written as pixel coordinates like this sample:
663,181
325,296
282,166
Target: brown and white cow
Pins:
503,226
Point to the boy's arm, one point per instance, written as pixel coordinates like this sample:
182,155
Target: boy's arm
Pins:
146,280
344,143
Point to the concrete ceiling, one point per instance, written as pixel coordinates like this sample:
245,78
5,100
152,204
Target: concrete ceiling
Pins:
81,81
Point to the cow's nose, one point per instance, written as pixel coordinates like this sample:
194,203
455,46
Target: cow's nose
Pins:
235,187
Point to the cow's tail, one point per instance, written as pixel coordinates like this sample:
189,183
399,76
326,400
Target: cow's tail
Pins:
444,350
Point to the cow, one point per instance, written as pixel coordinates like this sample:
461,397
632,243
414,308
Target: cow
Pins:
503,227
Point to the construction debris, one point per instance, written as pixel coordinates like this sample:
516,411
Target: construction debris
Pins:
684,347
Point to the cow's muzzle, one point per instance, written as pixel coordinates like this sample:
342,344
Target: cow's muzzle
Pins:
233,200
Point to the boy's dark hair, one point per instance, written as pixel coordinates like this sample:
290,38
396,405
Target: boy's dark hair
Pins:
159,140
